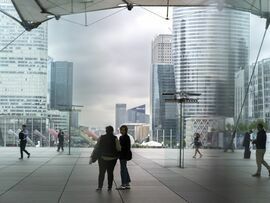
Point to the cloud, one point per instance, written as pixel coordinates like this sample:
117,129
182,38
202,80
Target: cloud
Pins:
112,59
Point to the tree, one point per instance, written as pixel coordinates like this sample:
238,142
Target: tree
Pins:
253,125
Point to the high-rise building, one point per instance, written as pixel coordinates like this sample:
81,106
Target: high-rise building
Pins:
162,49
23,68
209,45
61,85
23,76
136,114
257,105
241,82
120,115
163,114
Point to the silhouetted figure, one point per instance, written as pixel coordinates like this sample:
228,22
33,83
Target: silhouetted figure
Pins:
246,145
230,145
260,143
108,148
60,140
125,155
197,144
23,140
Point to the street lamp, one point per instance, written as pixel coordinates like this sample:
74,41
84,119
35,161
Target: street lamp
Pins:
181,97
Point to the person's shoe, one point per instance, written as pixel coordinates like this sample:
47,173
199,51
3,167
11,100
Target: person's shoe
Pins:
201,156
57,150
269,172
256,175
122,187
109,189
128,186
28,156
194,157
98,189
20,158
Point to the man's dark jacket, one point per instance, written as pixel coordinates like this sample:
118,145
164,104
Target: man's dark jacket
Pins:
260,140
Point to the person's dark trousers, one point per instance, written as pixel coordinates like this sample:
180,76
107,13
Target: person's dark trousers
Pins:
124,172
22,147
103,167
60,145
246,152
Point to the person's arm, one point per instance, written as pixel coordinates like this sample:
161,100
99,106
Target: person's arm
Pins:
128,143
94,152
117,144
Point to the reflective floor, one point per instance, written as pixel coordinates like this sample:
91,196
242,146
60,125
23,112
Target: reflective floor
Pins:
50,176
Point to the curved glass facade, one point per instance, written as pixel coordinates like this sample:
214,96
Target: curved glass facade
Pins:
23,68
209,45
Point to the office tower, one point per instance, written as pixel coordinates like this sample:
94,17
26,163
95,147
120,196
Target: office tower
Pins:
23,76
257,105
61,85
136,114
120,115
209,45
163,114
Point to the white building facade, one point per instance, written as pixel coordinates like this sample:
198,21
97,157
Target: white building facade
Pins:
23,74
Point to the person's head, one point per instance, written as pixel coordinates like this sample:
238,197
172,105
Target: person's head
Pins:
23,126
123,129
260,126
109,129
197,135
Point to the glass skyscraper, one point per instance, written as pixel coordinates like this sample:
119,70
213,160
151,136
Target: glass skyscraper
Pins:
163,115
23,68
61,88
23,76
120,115
136,114
209,45
257,105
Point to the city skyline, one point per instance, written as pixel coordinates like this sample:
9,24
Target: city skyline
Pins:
132,31
125,39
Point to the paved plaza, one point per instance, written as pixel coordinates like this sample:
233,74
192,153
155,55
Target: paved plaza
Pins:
49,176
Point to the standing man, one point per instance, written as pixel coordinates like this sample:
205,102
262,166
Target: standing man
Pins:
125,155
60,140
260,143
23,140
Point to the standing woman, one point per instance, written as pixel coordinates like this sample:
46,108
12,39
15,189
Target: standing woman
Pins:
125,155
197,144
108,148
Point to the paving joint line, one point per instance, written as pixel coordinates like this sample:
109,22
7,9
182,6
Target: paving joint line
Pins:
25,177
59,199
158,178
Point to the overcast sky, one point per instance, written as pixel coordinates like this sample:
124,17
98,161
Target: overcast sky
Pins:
112,58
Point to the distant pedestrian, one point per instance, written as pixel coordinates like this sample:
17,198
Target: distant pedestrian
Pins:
260,143
108,148
246,145
197,144
23,140
125,155
60,140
